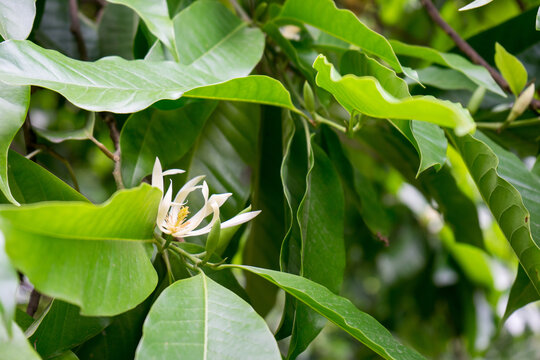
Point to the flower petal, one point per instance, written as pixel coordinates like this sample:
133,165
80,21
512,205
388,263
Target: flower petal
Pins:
157,175
164,206
187,188
215,208
240,219
173,172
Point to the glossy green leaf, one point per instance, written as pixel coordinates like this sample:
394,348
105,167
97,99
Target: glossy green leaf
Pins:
23,175
15,346
340,311
522,293
197,318
16,18
446,79
476,73
104,250
116,31
155,14
9,282
475,4
511,69
61,328
513,198
343,24
110,84
58,136
68,355
366,95
14,101
221,46
167,135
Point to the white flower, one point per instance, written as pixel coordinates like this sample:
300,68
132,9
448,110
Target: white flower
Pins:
172,215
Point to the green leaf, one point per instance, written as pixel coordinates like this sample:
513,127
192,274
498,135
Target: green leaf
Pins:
511,193
61,328
116,31
155,15
68,355
475,4
104,250
340,311
109,84
522,293
476,73
14,101
343,24
428,140
366,95
511,69
197,318
446,79
255,89
9,283
538,20
167,135
16,18
222,45
15,346
58,136
23,175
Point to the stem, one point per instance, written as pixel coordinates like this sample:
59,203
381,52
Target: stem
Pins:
501,125
322,120
29,135
521,5
33,303
165,256
102,147
115,137
32,154
241,12
468,50
75,29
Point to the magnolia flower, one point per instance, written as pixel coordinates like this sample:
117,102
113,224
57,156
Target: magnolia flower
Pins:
172,215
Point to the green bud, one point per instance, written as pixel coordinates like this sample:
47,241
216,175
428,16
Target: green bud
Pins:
521,104
212,241
260,10
309,98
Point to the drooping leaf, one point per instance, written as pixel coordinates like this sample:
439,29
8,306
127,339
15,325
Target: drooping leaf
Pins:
155,14
511,69
110,84
104,250
476,73
58,136
61,328
16,18
14,101
24,174
340,311
475,4
343,24
197,318
116,31
522,293
167,135
15,346
513,198
366,95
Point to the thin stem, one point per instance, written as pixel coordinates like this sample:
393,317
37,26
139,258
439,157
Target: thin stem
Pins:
63,160
102,147
75,29
165,256
240,11
115,137
502,125
322,120
32,154
521,5
33,303
29,135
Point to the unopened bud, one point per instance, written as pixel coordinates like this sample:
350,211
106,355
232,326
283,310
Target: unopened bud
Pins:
522,103
309,98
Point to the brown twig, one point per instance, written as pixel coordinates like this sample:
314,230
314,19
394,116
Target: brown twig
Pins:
240,10
521,5
468,50
75,29
29,135
33,303
115,137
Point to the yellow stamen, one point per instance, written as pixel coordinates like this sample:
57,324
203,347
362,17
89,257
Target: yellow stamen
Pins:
182,214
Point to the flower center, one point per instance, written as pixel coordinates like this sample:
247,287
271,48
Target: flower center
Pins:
176,219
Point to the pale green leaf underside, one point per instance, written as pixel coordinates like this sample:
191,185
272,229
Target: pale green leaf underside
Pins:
94,256
340,311
366,95
14,101
504,201
197,318
16,18
511,69
15,346
475,4
476,73
155,14
58,136
343,24
109,84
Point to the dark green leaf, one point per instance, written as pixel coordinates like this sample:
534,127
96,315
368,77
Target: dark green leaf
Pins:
521,293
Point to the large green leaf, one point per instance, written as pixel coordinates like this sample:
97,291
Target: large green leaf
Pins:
155,14
367,96
61,328
14,101
24,174
197,318
16,18
222,45
116,31
511,69
58,136
522,293
340,311
343,24
478,74
167,135
110,84
104,250
15,346
446,79
513,198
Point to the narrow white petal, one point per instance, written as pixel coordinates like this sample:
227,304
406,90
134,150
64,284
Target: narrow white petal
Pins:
240,219
164,205
207,228
205,191
196,219
157,175
187,188
220,198
173,172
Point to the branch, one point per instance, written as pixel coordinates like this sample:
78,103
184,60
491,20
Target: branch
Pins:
33,303
75,29
115,137
241,12
468,50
